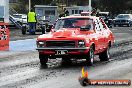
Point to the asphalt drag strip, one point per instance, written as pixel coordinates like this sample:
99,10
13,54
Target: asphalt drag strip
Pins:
24,70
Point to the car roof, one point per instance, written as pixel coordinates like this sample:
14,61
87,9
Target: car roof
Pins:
19,14
124,14
92,17
103,12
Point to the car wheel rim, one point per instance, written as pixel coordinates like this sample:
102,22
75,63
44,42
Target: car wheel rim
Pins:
91,56
108,53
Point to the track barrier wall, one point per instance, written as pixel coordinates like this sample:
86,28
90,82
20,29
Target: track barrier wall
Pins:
4,36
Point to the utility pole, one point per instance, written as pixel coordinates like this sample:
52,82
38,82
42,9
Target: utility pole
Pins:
89,7
62,4
29,8
67,4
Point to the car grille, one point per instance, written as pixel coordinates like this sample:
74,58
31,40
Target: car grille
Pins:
64,44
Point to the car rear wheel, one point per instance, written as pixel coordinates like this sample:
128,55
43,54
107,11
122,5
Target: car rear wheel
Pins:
114,25
43,60
43,29
128,25
105,56
110,26
90,58
23,30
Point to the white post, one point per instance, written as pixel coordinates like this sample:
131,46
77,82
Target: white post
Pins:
29,5
90,7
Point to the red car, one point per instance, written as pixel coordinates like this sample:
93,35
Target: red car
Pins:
79,37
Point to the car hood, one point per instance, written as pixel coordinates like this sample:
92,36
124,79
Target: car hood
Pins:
65,33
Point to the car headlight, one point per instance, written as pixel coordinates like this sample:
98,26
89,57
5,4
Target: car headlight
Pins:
128,20
81,43
40,44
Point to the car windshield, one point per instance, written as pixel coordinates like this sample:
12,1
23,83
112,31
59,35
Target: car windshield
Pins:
73,23
123,16
17,16
24,16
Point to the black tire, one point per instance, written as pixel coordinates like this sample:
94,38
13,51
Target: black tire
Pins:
105,56
49,28
128,25
19,22
90,58
24,30
114,25
110,26
120,25
43,60
66,62
43,29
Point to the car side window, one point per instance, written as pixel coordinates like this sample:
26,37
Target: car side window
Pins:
90,22
101,25
97,27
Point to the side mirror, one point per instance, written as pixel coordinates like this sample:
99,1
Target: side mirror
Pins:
85,28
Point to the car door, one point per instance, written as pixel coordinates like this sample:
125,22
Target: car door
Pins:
99,36
105,33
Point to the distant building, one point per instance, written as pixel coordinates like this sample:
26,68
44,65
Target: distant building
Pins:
77,9
4,10
47,12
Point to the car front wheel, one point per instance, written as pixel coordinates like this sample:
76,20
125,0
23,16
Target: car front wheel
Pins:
90,58
43,60
105,56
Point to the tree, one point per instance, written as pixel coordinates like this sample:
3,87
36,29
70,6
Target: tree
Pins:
40,2
114,6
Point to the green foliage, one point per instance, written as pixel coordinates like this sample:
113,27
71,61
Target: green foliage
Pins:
113,6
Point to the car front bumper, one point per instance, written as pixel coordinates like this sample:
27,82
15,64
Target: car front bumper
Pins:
63,51
85,48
